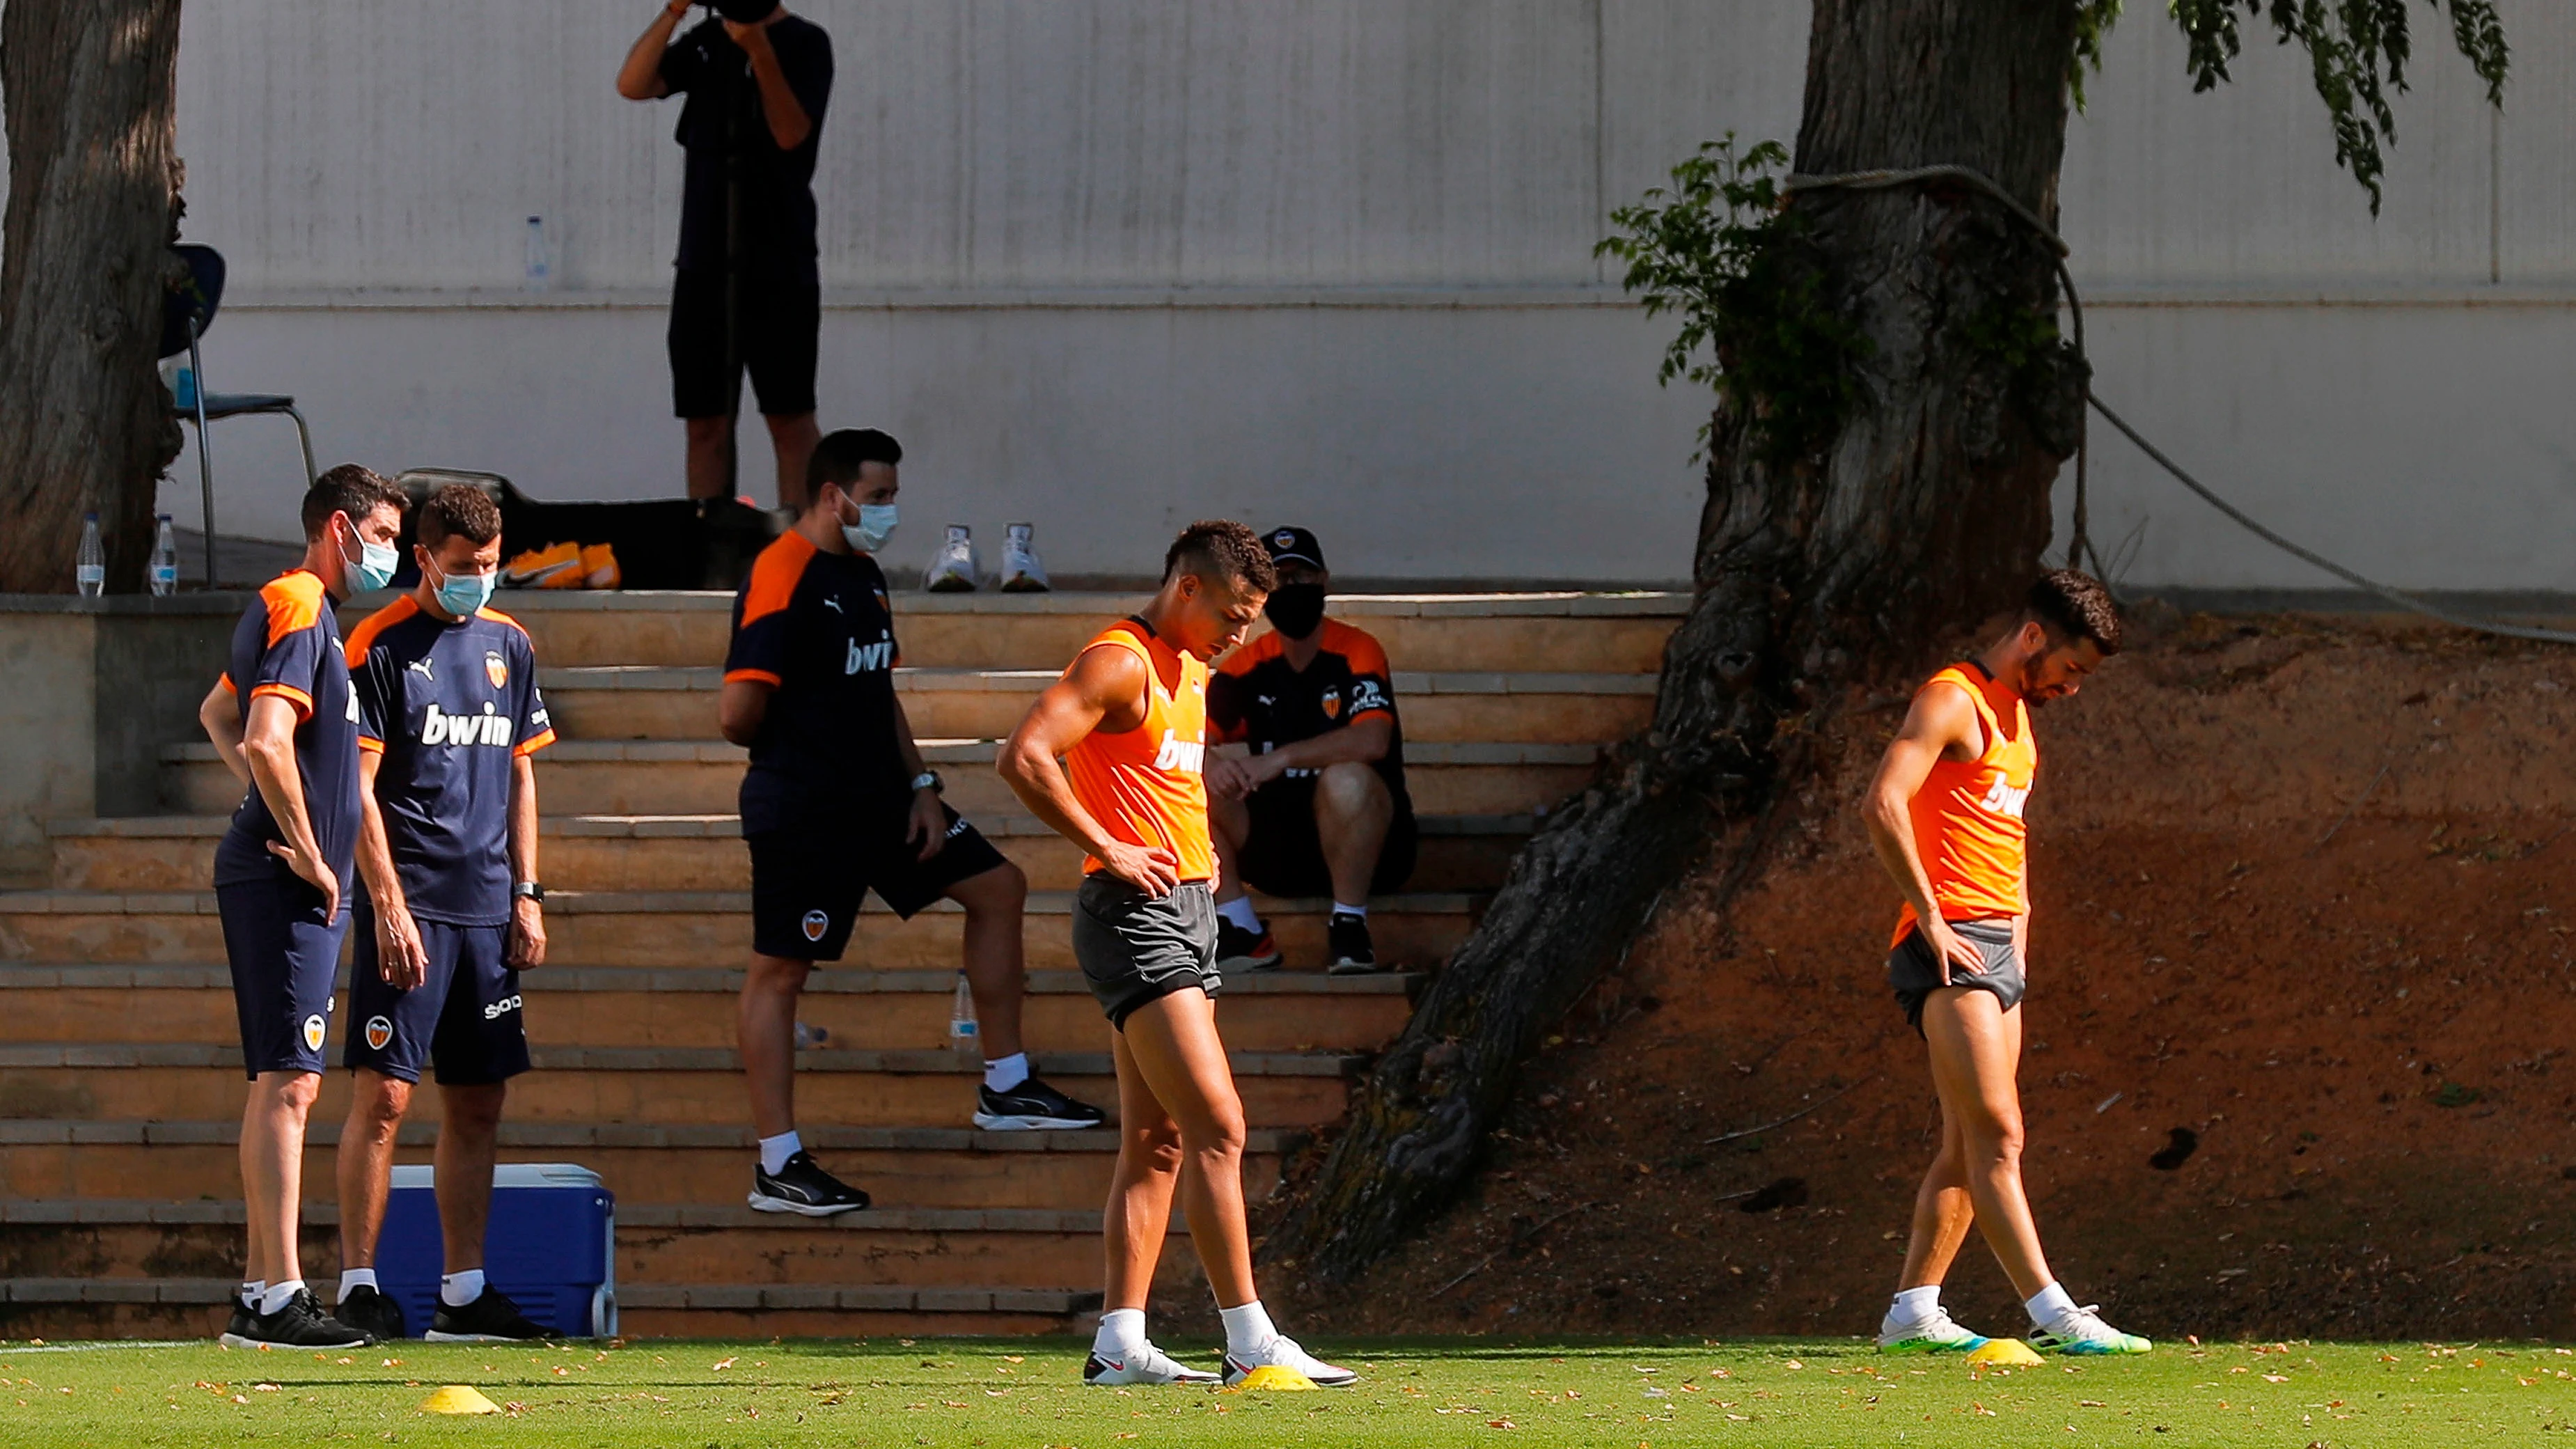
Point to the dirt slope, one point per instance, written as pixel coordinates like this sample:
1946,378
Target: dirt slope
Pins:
2301,891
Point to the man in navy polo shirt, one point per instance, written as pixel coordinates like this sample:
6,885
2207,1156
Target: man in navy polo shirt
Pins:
285,722
449,718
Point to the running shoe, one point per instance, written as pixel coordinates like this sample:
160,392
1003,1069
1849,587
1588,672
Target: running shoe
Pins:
803,1187
954,569
1936,1334
1033,1106
372,1311
490,1318
2083,1333
1240,950
300,1324
1347,948
1022,573
1283,1352
237,1331
1143,1365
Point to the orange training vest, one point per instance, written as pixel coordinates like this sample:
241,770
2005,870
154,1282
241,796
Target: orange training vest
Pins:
1144,785
1967,817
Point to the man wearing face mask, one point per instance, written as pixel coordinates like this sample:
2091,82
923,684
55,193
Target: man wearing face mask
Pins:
837,802
1320,804
285,722
449,722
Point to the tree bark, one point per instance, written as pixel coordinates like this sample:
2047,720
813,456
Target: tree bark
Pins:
1924,513
91,91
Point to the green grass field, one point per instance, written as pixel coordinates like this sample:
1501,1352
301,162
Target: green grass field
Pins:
1008,1394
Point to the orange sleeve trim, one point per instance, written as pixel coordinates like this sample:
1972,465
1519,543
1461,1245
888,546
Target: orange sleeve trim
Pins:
225,682
371,746
1361,648
1248,657
774,576
303,702
531,746
1370,714
294,601
363,638
497,617
752,676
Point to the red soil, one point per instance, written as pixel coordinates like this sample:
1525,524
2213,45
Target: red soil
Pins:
2363,1014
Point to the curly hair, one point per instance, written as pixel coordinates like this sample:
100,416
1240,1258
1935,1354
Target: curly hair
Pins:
459,508
1222,548
2074,606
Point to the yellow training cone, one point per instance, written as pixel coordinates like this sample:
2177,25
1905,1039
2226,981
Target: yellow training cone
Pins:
2005,1353
458,1399
1272,1376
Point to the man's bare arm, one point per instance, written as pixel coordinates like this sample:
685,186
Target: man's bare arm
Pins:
1363,742
1941,720
268,746
220,713
788,123
640,78
741,707
400,958
1105,686
526,945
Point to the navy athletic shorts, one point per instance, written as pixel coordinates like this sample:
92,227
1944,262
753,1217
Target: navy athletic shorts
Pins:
464,1017
284,957
806,883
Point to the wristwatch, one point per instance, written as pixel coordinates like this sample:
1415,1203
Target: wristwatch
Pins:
528,890
929,780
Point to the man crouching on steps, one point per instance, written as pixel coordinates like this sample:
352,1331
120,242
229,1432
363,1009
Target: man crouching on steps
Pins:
1129,722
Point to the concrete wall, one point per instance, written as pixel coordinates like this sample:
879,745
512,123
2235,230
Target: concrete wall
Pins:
1107,264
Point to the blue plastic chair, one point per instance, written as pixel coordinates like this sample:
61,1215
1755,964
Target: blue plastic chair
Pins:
186,315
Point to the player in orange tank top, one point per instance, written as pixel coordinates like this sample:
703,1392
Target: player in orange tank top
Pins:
1945,815
1128,720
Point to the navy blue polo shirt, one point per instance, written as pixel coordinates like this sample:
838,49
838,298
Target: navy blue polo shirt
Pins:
287,646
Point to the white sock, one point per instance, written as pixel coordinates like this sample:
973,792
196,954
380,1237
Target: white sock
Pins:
2050,1305
1247,1329
252,1290
458,1289
1122,1332
1239,910
353,1279
1912,1306
1003,1073
774,1151
1342,910
280,1294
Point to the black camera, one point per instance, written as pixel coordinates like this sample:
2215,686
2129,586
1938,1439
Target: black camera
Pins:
743,12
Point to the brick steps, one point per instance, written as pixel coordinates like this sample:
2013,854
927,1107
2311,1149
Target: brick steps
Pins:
152,853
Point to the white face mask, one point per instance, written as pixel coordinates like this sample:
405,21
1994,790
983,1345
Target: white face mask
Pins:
876,525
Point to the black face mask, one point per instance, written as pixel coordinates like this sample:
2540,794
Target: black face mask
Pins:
1295,609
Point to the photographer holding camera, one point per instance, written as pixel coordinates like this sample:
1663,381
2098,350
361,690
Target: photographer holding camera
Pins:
746,295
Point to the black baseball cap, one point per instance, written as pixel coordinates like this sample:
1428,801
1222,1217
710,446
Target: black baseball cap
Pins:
1293,545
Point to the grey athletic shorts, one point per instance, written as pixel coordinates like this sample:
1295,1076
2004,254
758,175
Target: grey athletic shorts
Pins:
1134,948
1914,975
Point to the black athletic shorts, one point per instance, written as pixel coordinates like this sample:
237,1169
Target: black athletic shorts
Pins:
779,326
1134,948
1914,975
464,1016
284,958
1284,856
806,883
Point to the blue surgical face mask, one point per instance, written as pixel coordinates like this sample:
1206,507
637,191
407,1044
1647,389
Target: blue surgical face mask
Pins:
875,526
374,566
462,594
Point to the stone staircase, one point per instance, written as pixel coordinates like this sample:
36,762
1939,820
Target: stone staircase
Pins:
119,1077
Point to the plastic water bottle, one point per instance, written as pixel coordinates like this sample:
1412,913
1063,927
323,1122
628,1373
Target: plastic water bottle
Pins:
165,558
962,1031
540,262
91,572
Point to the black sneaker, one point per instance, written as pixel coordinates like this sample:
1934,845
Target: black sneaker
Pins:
1033,1106
490,1318
1240,950
802,1186
300,1324
1347,948
236,1333
372,1311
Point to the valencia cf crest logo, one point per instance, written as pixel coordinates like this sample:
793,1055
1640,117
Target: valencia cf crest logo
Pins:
1284,538
313,1032
495,668
1333,705
816,923
379,1032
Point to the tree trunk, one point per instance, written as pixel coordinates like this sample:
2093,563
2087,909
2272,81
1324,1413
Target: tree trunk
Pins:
91,92
1925,512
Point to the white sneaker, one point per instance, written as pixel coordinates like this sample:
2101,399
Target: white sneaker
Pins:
2084,1333
954,569
1143,1365
1283,1352
1021,571
1936,1334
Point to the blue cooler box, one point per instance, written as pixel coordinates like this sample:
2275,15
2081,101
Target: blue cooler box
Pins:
551,1246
